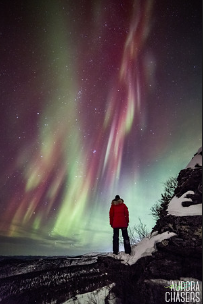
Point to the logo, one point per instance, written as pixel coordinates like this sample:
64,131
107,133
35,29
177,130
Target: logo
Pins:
183,292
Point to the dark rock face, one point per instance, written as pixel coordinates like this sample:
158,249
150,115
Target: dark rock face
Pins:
190,179
180,256
187,228
176,258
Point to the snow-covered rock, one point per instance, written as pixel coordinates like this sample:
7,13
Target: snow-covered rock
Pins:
176,207
146,247
196,160
99,296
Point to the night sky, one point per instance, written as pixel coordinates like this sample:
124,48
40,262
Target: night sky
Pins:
98,98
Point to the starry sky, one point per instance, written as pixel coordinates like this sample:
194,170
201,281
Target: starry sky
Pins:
98,98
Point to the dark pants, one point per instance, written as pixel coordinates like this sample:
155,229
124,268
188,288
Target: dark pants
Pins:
125,239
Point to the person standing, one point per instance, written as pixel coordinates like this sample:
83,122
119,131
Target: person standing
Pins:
119,219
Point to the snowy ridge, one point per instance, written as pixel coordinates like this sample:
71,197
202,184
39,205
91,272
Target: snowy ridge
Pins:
175,206
196,160
99,296
145,248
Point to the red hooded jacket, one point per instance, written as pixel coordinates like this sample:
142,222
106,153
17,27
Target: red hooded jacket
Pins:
119,215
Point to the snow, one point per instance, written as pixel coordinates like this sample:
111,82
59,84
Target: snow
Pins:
175,206
196,160
98,296
145,248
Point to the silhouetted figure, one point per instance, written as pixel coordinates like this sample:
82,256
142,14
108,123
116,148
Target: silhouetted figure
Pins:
119,219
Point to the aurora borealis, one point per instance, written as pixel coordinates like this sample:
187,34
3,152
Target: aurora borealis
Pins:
98,98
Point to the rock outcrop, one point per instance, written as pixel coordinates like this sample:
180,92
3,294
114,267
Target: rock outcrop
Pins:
177,259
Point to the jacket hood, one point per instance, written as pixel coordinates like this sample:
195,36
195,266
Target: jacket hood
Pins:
117,202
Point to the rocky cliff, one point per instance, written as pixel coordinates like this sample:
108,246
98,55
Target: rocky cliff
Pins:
173,273
179,258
